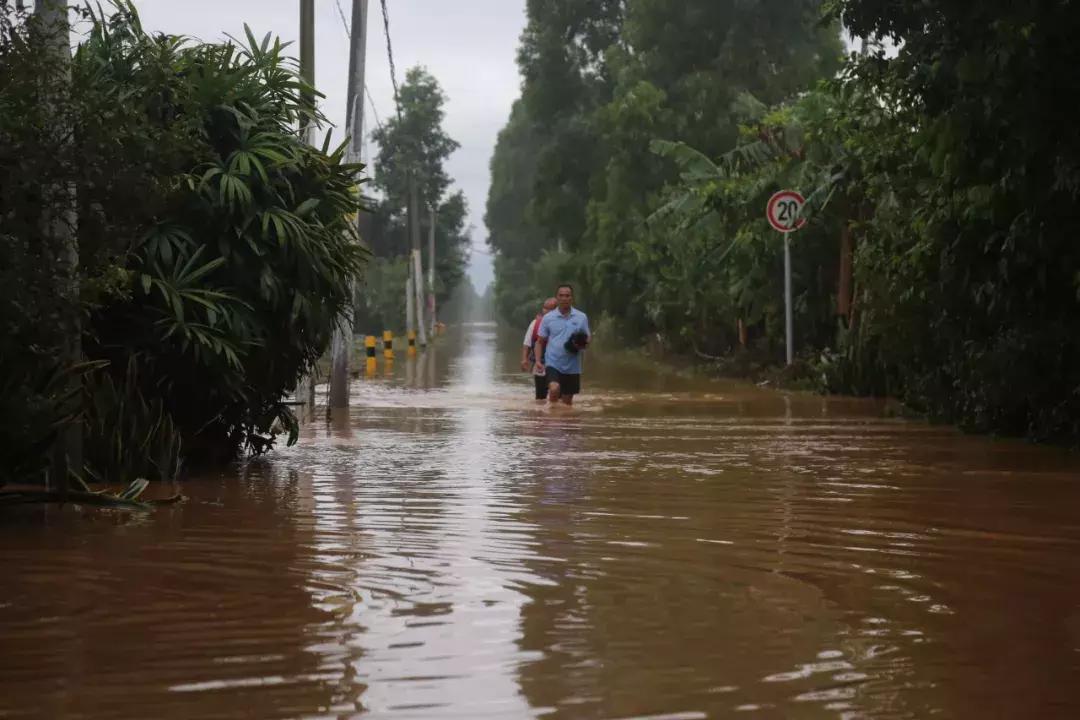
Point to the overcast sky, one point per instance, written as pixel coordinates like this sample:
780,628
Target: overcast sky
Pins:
468,45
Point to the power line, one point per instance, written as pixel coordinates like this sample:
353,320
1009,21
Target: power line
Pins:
390,55
374,111
344,22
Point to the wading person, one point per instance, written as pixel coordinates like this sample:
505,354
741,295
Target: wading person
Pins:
563,336
528,351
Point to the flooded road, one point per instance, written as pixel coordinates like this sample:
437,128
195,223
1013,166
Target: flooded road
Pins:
671,548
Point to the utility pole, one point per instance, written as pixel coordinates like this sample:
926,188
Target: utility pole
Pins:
431,274
410,308
307,68
59,224
305,389
417,271
354,121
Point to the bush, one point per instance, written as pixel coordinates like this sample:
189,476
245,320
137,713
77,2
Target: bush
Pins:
216,247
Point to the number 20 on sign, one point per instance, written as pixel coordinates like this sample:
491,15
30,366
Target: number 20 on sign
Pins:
784,211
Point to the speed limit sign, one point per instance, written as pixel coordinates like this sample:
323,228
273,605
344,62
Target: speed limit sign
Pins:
784,211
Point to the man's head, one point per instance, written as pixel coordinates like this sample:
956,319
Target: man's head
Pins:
565,297
550,304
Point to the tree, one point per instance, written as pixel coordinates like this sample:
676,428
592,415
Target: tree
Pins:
216,250
416,140
972,172
601,81
718,264
513,235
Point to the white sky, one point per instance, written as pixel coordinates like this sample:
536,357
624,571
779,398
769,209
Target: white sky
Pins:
468,45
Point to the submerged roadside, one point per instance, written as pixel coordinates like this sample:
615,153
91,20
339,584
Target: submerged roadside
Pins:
821,372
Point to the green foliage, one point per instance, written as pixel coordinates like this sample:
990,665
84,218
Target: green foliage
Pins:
950,169
415,142
971,168
381,305
244,261
130,436
36,400
216,251
714,257
36,396
512,232
418,141
572,169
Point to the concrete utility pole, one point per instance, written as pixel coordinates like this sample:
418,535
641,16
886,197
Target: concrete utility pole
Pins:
307,66
410,306
305,390
59,224
354,121
431,274
417,272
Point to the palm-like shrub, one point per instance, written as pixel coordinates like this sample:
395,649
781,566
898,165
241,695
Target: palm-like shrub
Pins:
244,263
216,247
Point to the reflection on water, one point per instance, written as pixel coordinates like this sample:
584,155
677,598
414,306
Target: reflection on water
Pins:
670,548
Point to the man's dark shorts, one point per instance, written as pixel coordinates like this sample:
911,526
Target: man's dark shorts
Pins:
541,383
568,384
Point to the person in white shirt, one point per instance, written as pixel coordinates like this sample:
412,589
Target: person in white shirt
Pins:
528,353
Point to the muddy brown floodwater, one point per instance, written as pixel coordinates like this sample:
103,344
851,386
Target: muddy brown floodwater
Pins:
672,548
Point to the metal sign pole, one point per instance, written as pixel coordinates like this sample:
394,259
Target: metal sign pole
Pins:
788,321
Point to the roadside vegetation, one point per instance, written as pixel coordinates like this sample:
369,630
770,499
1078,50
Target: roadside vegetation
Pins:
415,140
942,171
215,247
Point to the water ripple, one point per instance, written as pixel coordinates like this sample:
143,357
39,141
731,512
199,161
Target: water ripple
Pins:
672,549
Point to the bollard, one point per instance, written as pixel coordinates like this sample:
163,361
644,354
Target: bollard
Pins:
412,343
369,349
388,344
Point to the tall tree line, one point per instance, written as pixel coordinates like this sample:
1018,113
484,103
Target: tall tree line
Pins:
573,177
938,263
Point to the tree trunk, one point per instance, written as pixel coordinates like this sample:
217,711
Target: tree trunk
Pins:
844,282
59,223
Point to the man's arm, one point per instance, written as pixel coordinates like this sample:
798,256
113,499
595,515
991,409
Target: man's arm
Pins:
525,347
540,345
542,340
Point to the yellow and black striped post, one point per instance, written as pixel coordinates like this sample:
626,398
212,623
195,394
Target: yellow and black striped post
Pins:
388,344
369,349
412,343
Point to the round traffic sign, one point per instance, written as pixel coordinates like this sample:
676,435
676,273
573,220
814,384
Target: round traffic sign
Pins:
784,211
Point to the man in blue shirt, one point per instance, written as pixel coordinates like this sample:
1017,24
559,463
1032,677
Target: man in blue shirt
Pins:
564,335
